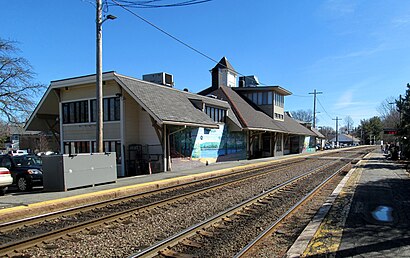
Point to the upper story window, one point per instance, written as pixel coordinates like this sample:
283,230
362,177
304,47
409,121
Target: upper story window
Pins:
75,112
111,107
260,98
279,100
78,111
217,114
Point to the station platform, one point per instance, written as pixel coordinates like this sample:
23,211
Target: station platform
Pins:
368,215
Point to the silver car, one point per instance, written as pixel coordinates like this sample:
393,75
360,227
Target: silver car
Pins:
5,180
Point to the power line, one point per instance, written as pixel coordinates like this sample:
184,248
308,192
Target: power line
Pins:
324,109
157,3
300,96
116,2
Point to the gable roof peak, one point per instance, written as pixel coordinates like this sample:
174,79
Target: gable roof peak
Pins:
224,64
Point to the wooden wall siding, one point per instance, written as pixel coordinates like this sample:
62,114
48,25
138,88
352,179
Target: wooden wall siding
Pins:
87,91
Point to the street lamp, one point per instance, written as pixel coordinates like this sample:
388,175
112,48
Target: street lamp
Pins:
99,90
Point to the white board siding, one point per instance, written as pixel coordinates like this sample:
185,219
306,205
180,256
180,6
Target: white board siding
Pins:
88,91
79,132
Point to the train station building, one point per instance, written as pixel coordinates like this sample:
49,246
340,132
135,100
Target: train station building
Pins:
154,127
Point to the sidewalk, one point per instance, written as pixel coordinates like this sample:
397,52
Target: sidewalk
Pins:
377,200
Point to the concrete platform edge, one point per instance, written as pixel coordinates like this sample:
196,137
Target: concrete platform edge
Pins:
302,242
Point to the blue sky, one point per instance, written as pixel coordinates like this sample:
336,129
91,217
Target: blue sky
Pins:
355,51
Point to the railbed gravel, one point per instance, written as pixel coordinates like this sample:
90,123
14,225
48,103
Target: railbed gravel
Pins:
135,233
95,213
243,229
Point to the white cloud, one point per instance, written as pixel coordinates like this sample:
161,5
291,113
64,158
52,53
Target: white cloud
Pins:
400,22
338,8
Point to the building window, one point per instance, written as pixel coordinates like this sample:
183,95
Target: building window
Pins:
279,116
260,98
279,100
110,146
270,97
76,147
216,114
111,109
75,112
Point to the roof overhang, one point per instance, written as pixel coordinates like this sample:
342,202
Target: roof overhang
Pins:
213,126
49,103
263,130
277,89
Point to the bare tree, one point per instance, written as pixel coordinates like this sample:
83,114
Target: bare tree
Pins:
388,113
17,91
327,131
349,124
303,115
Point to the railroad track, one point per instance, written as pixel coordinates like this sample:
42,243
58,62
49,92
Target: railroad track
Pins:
12,247
177,245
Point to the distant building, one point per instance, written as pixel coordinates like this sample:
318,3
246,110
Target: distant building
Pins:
345,139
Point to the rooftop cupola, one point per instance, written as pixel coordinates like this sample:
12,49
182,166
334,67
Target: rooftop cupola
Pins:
223,74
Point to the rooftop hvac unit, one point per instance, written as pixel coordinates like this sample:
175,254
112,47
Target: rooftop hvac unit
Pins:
248,81
159,78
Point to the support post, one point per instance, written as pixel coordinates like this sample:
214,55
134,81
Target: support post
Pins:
247,145
164,146
99,91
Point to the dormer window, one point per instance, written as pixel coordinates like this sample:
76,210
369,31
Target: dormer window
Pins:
217,114
260,98
279,100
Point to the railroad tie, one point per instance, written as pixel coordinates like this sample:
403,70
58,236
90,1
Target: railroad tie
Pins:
220,226
243,214
205,233
190,243
171,253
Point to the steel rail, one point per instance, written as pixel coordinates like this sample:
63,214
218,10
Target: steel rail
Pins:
58,233
289,212
10,225
165,244
25,243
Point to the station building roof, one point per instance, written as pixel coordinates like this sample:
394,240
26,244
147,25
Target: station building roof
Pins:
251,118
165,104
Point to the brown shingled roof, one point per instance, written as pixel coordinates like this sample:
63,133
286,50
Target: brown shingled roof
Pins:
252,118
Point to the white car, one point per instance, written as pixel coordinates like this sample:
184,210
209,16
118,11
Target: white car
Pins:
18,152
5,180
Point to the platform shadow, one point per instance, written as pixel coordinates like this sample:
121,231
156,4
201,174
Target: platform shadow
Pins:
364,233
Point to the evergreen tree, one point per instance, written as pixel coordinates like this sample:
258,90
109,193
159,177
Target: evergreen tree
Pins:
403,105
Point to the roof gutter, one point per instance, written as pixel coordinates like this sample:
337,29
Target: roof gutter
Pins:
190,124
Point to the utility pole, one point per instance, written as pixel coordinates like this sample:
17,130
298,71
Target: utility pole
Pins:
99,90
314,105
337,130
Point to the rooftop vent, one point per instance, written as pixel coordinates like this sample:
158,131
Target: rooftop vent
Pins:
160,78
248,81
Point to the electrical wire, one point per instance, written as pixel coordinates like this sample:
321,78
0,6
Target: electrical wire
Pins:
157,3
317,98
116,2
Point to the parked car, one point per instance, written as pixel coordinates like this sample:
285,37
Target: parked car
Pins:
5,180
26,170
18,152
